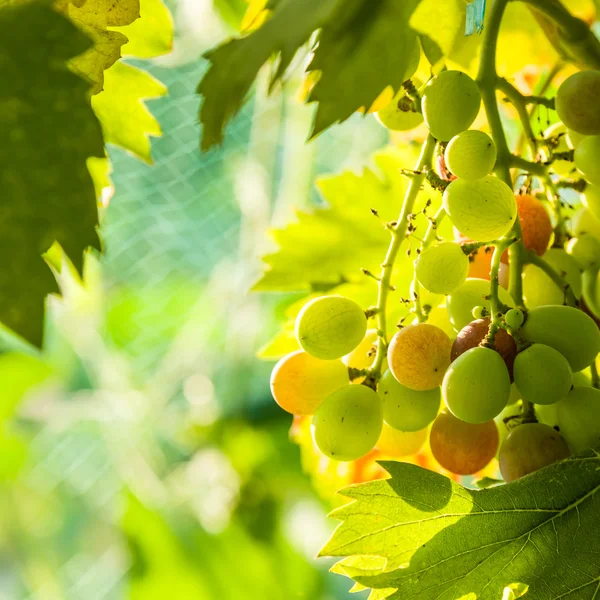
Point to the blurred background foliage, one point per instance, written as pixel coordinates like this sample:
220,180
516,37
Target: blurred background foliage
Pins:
141,455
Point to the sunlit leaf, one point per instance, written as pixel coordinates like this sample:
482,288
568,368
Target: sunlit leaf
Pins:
152,34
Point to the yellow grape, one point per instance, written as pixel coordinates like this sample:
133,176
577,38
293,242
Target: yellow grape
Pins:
442,267
419,355
300,382
398,444
363,355
471,154
577,102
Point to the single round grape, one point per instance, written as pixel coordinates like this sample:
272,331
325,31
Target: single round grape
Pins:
579,418
529,447
405,409
574,138
557,134
471,293
300,382
585,250
471,154
586,158
514,318
330,326
397,444
398,114
442,267
568,330
478,312
536,227
484,209
542,374
539,289
480,260
347,423
591,200
577,102
450,103
462,448
476,386
472,334
419,355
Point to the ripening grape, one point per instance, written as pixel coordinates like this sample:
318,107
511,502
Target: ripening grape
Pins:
398,115
574,138
472,334
471,154
579,418
442,267
484,209
419,355
462,448
542,374
300,382
476,386
558,134
480,260
330,326
450,103
566,329
536,227
347,423
539,289
363,355
405,409
585,250
471,293
397,444
577,102
514,318
591,200
586,158
529,447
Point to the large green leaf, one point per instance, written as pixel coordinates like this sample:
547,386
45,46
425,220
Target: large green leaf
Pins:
235,64
437,539
48,131
126,121
364,49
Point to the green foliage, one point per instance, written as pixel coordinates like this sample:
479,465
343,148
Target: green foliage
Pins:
152,34
48,130
425,536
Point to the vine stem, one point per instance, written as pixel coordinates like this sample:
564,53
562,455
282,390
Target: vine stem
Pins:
398,232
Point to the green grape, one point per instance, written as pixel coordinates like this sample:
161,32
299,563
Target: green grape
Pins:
585,250
483,210
438,316
514,318
462,448
583,221
568,330
470,294
580,378
419,355
515,395
478,312
347,423
476,387
542,374
413,61
591,200
397,444
441,268
471,154
529,447
397,115
300,382
586,158
539,289
577,102
548,414
450,103
579,418
405,409
574,138
330,326
558,132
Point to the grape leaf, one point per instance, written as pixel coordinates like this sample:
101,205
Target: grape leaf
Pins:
441,540
363,50
344,236
126,121
48,131
235,64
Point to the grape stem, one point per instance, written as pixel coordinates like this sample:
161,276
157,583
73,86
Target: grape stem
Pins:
398,232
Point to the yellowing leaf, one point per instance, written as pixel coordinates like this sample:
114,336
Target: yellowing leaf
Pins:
126,121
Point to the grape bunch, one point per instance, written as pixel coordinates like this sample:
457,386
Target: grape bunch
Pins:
504,365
